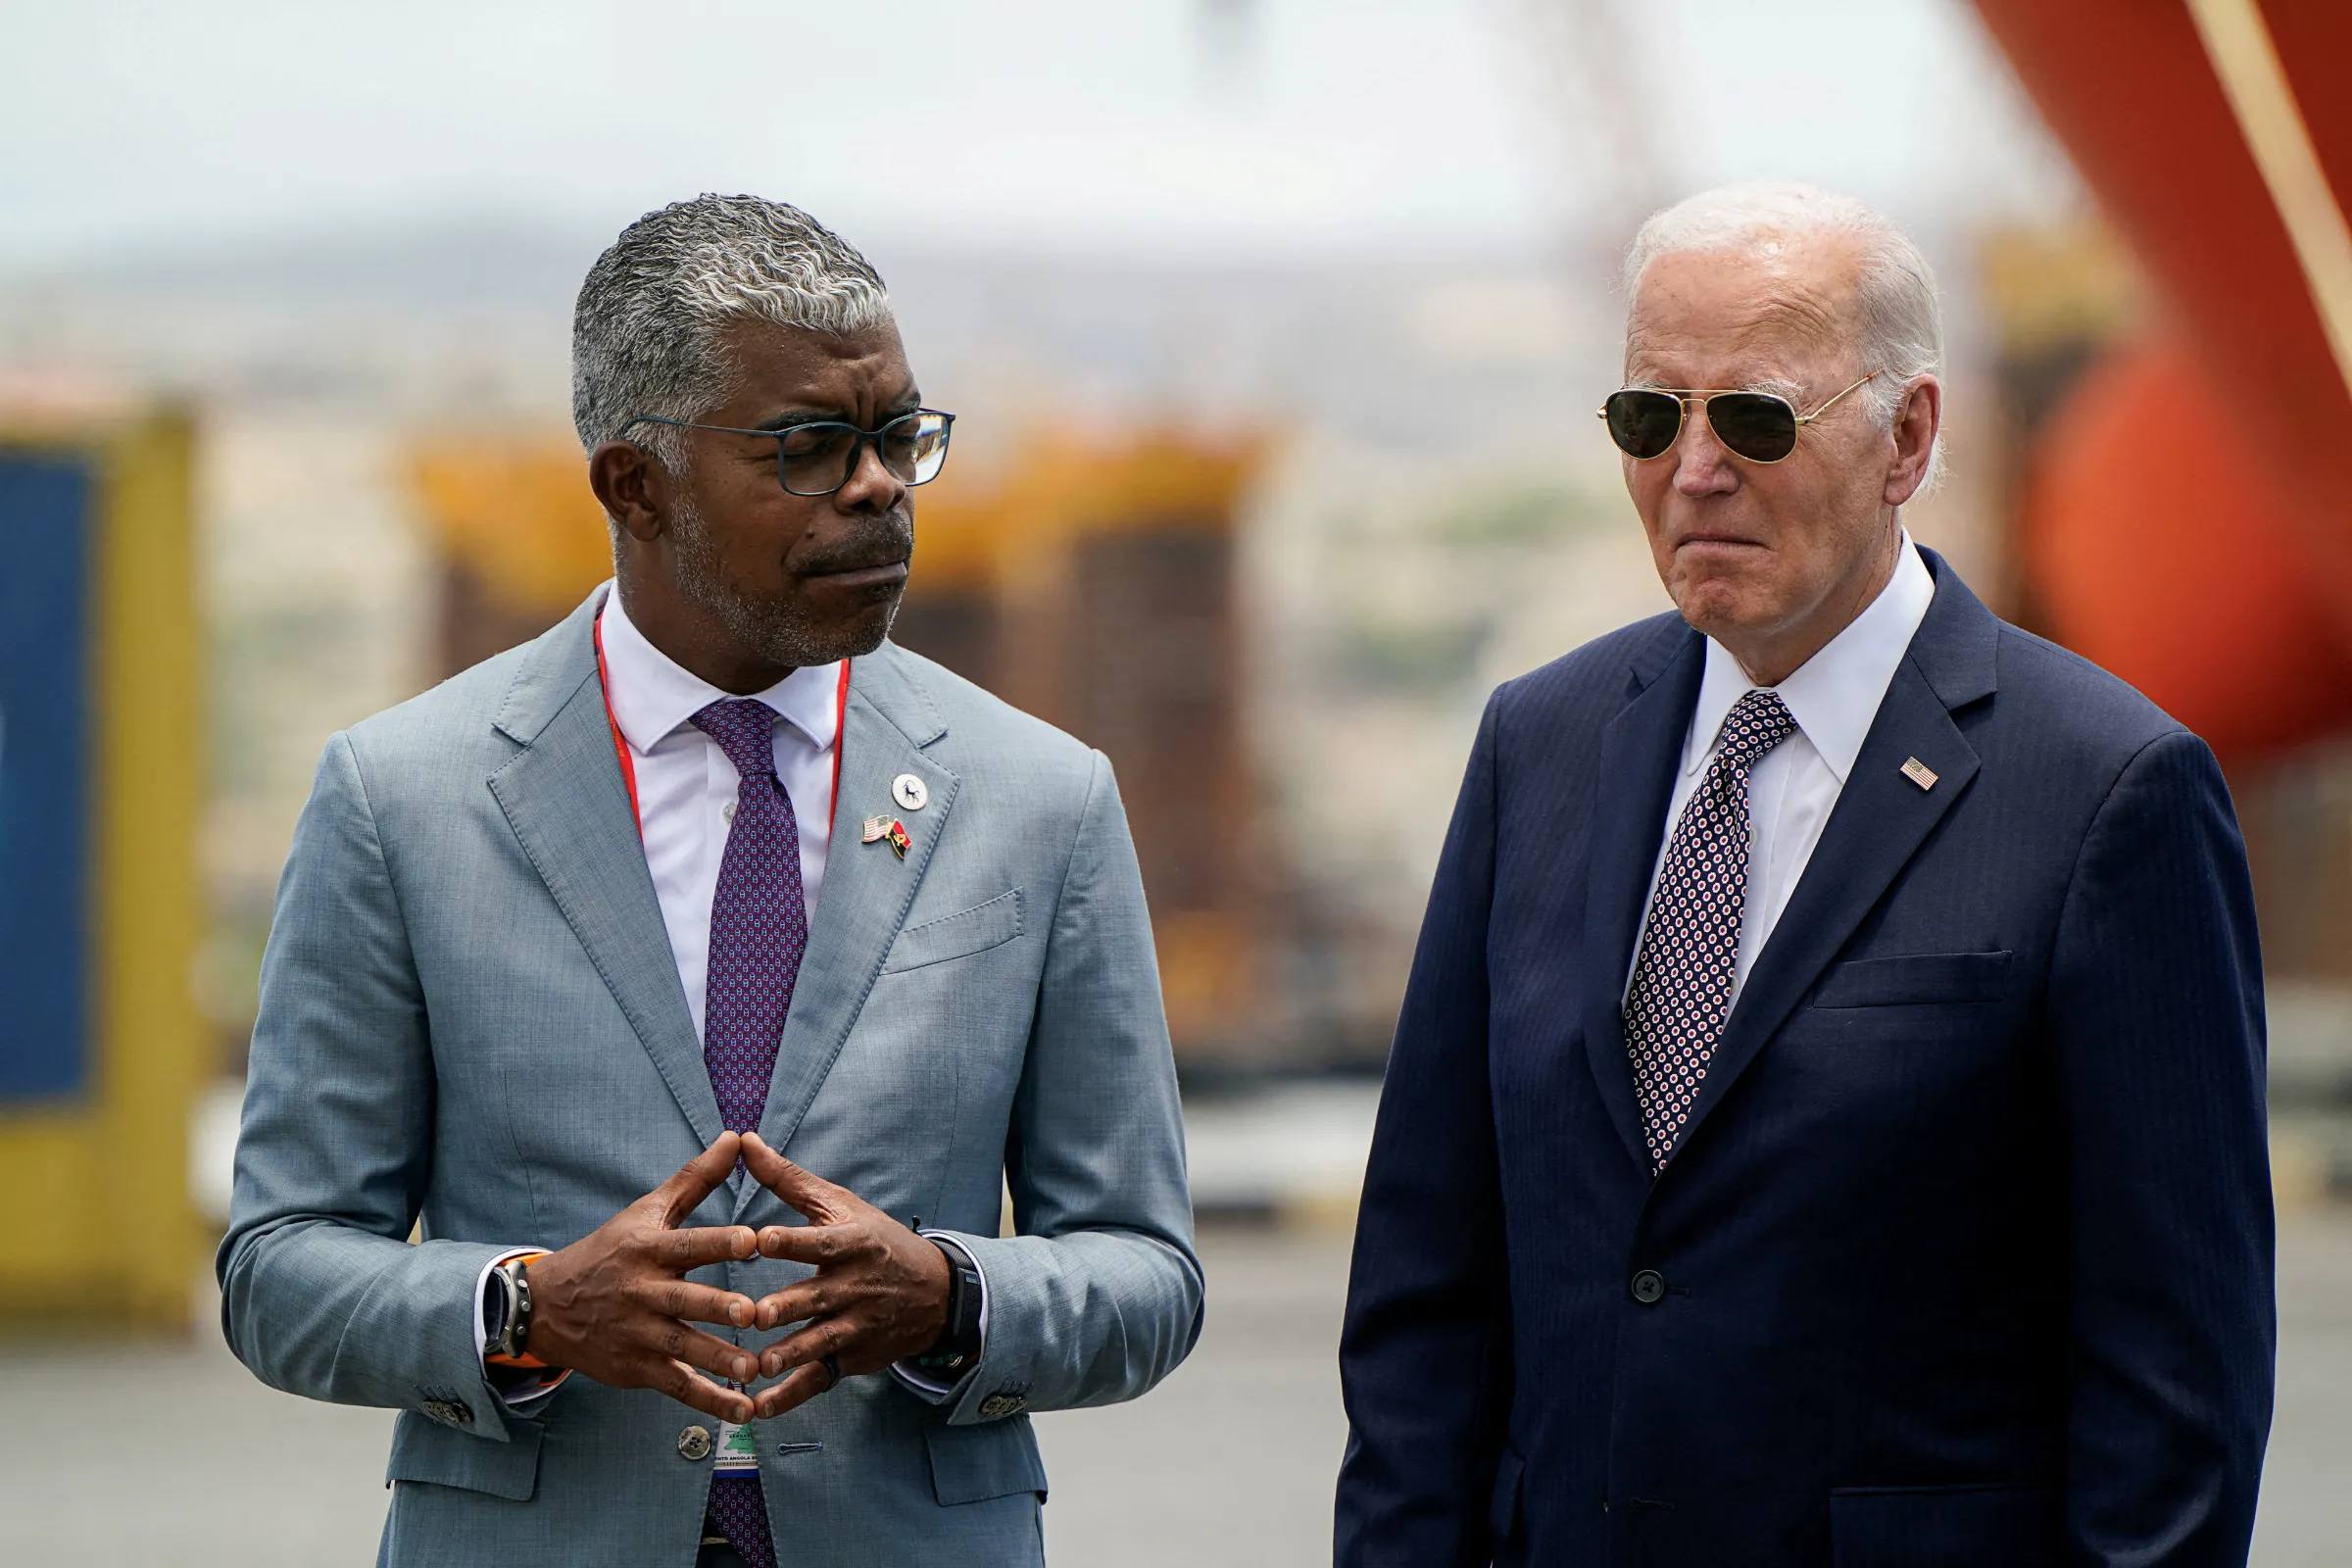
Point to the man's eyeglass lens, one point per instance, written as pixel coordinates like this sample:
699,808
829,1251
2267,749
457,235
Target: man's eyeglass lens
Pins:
1755,425
817,459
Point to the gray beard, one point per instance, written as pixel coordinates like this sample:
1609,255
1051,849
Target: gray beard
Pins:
773,630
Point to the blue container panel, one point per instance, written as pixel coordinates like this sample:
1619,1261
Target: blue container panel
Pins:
45,776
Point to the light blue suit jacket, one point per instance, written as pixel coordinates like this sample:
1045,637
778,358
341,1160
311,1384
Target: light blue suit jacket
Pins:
470,1016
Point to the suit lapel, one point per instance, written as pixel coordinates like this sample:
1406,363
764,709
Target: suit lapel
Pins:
1880,822
563,797
868,889
1639,751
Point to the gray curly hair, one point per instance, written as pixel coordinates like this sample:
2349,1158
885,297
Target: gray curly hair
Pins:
645,333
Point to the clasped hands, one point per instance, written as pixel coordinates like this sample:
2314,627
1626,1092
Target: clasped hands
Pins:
616,1306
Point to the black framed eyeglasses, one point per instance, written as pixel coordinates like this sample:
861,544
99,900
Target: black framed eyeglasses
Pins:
1645,422
818,458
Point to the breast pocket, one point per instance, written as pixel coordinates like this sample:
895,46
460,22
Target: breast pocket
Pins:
958,936
1915,980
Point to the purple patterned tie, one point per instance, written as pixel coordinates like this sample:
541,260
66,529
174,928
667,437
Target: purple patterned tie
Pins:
1682,992
759,931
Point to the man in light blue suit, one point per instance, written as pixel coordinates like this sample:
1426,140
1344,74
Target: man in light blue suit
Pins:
553,932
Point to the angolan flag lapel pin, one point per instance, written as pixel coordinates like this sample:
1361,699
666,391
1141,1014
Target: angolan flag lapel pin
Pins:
890,829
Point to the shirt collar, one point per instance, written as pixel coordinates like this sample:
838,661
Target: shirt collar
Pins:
1835,694
652,695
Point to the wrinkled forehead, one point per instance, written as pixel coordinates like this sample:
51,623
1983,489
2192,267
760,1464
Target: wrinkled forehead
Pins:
785,361
1768,311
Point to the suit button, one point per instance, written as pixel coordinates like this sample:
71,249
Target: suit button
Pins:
693,1443
1649,1287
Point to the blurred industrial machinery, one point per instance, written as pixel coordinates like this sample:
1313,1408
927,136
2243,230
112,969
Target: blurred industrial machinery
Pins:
2176,516
2172,529
1092,586
101,782
1600,108
1091,582
517,538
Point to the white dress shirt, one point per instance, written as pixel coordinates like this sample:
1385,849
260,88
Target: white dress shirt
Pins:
1833,697
686,787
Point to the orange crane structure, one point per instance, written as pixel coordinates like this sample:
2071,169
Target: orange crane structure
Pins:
2182,522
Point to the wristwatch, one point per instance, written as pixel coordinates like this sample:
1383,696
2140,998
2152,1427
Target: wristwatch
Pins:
958,1345
507,1313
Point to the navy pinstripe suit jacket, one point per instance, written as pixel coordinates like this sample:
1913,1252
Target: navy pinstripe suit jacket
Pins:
1967,1252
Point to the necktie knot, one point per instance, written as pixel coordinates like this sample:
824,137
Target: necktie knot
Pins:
746,730
1756,724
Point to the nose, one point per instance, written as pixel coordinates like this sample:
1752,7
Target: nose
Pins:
1701,465
871,487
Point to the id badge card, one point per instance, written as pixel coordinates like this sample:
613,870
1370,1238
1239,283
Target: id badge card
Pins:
738,1451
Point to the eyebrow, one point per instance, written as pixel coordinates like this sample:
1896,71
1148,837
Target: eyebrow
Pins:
898,408
1776,385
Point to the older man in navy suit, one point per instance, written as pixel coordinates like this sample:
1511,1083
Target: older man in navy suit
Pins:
1826,1122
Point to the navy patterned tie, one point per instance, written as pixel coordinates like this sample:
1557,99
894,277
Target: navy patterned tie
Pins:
1682,991
759,932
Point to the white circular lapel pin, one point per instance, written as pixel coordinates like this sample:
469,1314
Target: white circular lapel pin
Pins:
909,792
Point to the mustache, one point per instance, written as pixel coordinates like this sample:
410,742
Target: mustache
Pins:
873,542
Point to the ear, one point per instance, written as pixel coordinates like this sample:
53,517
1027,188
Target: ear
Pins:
1916,424
632,487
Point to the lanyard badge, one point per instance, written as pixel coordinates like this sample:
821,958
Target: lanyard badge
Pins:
738,1451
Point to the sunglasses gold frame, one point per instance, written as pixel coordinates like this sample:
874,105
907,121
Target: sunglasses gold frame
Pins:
1684,397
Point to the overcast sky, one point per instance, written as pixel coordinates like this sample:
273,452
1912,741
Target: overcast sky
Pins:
1276,124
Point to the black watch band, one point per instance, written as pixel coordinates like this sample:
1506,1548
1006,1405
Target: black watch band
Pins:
498,1301
958,1344
507,1310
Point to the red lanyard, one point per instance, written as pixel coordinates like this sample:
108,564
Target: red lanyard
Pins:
628,763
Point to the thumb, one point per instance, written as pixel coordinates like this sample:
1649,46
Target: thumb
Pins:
698,1179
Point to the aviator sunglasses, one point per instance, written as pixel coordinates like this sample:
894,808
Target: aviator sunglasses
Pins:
1760,427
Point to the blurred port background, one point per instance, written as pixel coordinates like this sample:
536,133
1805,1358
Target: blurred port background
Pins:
1274,327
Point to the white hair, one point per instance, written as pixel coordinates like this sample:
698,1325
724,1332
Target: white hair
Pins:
1899,324
645,334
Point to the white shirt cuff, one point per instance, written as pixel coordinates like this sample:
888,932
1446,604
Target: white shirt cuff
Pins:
915,1377
521,1387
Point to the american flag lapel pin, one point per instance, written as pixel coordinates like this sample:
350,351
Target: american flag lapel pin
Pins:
1920,773
887,829
876,827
